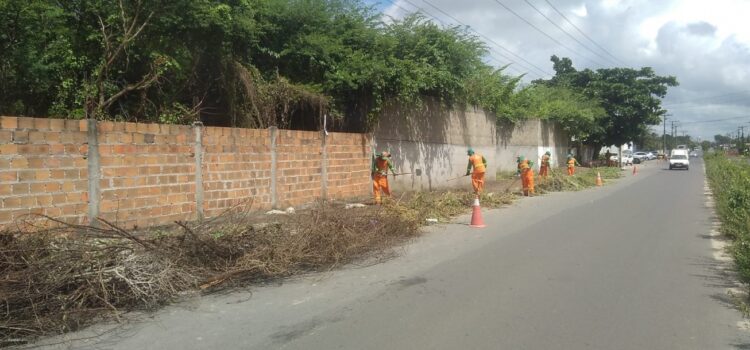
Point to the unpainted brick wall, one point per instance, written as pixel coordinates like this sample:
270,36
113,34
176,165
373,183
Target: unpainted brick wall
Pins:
236,169
43,169
299,171
349,161
147,172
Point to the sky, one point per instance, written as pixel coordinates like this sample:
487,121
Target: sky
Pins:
704,44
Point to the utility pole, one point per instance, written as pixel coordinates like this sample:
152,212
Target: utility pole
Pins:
742,137
664,135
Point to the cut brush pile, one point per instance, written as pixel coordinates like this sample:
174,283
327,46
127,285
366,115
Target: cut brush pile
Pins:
58,280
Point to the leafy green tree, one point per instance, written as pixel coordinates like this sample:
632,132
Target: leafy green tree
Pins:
235,62
578,114
630,97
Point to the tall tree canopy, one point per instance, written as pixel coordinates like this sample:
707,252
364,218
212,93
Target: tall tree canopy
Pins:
631,98
233,62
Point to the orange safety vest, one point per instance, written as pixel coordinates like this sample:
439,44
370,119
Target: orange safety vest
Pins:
476,161
382,166
524,164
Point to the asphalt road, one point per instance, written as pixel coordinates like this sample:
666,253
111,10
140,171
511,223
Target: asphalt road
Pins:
627,266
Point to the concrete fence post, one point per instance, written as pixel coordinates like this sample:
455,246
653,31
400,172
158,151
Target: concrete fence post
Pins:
94,171
198,151
324,165
273,132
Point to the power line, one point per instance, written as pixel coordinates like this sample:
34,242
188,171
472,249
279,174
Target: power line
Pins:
492,41
545,34
584,34
717,120
446,25
692,101
423,11
566,32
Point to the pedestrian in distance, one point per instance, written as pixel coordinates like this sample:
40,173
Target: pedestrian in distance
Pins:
544,166
479,165
527,175
380,166
572,163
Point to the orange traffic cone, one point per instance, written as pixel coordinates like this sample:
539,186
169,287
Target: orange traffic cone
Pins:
476,215
598,179
635,170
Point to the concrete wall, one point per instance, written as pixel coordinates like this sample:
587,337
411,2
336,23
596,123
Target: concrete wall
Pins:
430,143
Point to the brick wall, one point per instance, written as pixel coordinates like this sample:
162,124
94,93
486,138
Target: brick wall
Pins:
43,169
349,162
147,173
150,174
300,161
236,168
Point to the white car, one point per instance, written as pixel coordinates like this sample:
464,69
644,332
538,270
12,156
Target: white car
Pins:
627,159
641,156
679,161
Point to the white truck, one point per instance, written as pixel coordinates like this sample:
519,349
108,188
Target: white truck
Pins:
679,158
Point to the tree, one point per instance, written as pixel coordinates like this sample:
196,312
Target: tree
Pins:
722,139
253,63
576,113
630,97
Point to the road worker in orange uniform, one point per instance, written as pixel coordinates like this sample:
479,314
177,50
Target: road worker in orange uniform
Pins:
544,167
572,163
527,175
380,166
479,164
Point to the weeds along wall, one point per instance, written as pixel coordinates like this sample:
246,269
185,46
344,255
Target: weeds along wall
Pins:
140,175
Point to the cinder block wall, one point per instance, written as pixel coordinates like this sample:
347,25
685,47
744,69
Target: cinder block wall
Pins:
149,174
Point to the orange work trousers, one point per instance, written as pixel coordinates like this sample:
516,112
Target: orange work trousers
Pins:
477,182
543,171
571,170
380,183
527,181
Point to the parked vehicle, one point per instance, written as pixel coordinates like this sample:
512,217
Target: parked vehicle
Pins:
627,159
641,156
682,147
693,154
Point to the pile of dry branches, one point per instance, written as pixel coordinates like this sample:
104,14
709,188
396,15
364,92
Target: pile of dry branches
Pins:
59,279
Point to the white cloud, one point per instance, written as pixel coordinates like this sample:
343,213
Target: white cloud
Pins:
705,44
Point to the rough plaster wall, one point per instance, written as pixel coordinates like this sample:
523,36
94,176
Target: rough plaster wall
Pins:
431,143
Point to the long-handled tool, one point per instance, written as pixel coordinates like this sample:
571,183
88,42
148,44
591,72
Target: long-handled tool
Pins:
456,178
399,174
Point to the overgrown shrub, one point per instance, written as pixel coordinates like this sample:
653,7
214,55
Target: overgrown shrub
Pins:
729,179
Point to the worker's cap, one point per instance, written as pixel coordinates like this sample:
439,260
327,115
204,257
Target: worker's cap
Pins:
521,158
570,155
470,151
547,153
